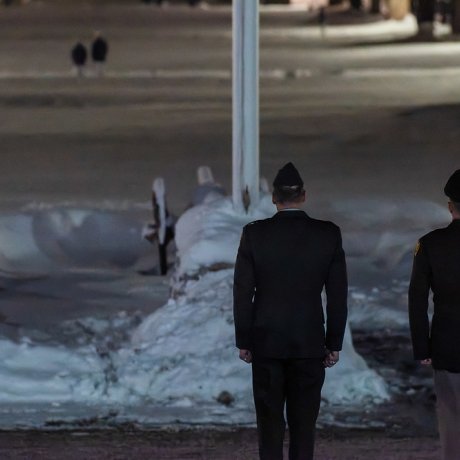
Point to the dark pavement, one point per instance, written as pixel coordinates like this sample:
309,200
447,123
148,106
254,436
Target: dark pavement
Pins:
238,444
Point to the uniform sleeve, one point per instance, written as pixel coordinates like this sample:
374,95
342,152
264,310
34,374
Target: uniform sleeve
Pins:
243,293
419,290
336,292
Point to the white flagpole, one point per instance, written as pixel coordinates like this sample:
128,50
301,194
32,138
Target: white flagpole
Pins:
245,102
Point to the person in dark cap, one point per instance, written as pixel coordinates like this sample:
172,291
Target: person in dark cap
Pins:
437,268
282,266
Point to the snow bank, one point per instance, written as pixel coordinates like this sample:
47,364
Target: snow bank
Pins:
209,233
33,374
379,308
384,232
378,235
49,239
187,347
184,354
351,381
182,357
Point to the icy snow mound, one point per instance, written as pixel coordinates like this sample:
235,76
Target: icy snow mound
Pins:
351,381
49,239
209,233
384,232
186,351
49,374
377,233
184,354
373,309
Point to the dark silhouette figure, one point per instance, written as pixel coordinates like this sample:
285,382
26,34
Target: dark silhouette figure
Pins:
282,266
79,56
435,343
99,51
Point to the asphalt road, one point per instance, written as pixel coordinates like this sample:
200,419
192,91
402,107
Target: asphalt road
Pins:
359,115
237,444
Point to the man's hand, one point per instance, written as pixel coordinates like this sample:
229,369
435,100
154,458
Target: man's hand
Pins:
246,356
331,358
426,362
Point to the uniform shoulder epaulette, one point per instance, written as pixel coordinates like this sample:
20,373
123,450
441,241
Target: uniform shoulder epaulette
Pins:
255,222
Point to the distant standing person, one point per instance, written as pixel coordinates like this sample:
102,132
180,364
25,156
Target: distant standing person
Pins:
79,56
437,268
99,51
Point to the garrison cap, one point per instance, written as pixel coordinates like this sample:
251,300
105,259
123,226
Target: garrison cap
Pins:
452,188
288,176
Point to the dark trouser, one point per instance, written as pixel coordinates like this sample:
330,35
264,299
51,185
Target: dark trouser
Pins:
296,383
447,389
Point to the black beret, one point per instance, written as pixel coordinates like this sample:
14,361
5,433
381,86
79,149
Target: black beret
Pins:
452,188
288,176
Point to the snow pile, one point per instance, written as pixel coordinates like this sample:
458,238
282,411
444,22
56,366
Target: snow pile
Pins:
351,381
383,233
182,357
384,308
185,351
18,248
49,239
209,234
49,374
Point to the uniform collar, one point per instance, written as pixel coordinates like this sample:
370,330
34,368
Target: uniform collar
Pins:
287,213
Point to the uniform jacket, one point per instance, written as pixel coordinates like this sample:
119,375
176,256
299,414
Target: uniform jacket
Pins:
437,267
282,266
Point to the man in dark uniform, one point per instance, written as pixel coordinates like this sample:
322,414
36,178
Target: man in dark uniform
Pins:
437,267
282,266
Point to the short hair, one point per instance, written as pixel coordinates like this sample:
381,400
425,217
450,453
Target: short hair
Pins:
456,205
288,194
